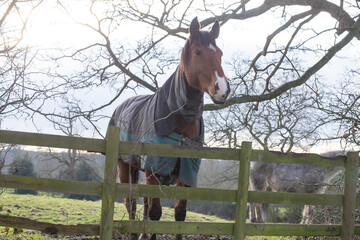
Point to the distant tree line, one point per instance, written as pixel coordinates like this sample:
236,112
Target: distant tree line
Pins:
22,165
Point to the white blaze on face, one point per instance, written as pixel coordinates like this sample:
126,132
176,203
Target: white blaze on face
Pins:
222,86
212,47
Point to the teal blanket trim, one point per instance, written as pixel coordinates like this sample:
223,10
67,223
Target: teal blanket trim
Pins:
189,167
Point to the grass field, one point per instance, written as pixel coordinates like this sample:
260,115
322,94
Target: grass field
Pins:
59,210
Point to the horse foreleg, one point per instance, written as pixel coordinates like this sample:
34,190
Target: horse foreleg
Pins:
257,183
306,214
154,207
180,208
128,174
258,213
255,213
252,214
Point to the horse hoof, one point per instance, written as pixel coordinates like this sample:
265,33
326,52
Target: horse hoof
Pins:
142,236
134,236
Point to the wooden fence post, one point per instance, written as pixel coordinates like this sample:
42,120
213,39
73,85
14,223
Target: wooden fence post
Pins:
109,184
349,198
242,192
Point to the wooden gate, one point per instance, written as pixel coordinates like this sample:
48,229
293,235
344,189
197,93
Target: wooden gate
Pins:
110,190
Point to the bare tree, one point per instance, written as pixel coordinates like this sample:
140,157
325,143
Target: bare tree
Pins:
277,68
67,161
15,56
282,124
278,96
340,105
300,29
305,36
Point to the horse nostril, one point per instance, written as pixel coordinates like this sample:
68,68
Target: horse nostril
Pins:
224,96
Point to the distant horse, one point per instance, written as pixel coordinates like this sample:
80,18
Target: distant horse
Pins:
172,115
282,177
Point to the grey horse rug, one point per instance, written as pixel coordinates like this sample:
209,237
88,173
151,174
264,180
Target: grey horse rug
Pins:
150,119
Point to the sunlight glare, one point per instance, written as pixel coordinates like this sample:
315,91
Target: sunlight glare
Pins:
51,27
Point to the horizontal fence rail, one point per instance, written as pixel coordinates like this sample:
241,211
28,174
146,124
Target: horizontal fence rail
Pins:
163,150
251,229
109,189
170,192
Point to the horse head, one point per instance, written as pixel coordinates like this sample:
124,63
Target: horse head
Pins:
201,62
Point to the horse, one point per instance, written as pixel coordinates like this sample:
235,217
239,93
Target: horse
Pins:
298,178
172,115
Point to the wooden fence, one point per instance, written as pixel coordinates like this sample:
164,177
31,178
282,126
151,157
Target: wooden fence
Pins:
109,190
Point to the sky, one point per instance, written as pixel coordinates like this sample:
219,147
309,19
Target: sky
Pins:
51,28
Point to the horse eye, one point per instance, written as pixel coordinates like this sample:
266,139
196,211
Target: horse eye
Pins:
197,52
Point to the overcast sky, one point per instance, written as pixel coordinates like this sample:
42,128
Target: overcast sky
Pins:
51,28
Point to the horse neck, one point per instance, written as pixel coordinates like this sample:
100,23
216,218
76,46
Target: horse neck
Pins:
193,95
188,119
183,99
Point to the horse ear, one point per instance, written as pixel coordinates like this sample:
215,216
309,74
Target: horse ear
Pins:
194,28
215,29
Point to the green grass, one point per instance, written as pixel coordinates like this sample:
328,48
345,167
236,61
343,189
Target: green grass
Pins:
25,235
57,210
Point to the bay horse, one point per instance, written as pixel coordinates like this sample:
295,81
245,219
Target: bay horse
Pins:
172,115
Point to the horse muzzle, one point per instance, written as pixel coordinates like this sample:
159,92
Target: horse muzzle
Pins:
222,91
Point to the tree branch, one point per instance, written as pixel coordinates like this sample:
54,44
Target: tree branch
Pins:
295,83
